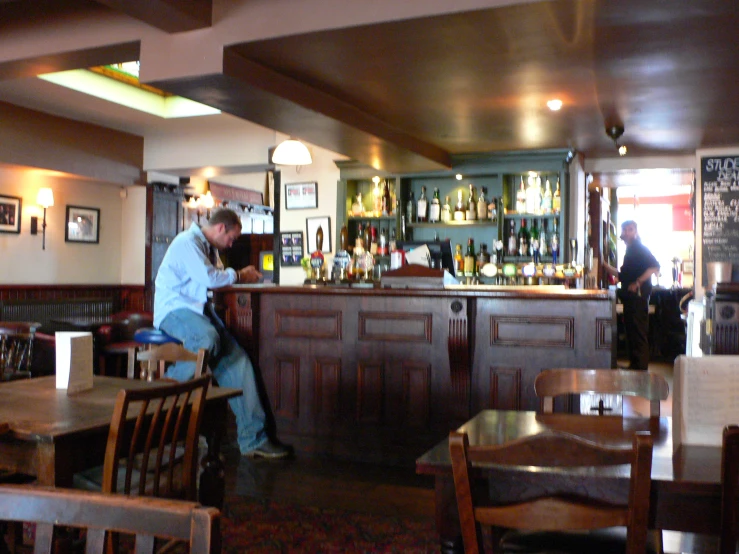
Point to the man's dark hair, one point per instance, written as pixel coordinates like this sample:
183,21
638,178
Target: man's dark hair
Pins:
225,216
629,223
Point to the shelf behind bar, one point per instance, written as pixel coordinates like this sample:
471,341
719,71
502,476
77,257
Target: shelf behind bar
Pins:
529,216
470,223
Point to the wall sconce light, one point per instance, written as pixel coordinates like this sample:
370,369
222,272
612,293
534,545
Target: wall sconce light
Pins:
291,152
45,198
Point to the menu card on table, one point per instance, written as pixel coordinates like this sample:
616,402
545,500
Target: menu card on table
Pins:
705,399
73,361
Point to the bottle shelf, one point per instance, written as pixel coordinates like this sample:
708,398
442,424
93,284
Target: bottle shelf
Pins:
371,218
471,223
517,216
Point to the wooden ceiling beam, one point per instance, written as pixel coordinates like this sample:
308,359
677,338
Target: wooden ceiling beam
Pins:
172,16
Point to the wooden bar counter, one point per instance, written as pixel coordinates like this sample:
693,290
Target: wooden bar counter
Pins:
384,374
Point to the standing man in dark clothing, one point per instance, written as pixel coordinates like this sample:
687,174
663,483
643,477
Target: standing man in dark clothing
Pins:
636,286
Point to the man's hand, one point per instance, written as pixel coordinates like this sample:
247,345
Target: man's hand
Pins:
634,287
249,274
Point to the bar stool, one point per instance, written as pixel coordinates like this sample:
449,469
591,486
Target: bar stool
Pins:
146,337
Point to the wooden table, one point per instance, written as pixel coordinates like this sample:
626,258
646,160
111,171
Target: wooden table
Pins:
686,490
52,435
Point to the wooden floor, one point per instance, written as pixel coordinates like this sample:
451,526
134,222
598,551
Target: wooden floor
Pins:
329,483
325,482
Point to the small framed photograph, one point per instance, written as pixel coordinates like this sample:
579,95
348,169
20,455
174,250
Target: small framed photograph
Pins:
10,214
83,225
291,247
301,196
312,224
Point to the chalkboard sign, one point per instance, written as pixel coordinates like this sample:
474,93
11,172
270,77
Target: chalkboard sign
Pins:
720,188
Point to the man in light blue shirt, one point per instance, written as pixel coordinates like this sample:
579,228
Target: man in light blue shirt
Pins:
181,309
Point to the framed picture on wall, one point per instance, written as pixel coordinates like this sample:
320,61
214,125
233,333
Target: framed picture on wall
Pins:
301,196
312,224
82,225
10,214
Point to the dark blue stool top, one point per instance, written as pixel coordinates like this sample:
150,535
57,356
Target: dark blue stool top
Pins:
150,335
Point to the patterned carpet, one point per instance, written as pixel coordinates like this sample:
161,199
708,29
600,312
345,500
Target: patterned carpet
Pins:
257,527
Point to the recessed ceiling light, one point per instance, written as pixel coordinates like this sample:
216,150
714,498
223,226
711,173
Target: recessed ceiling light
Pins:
459,176
554,104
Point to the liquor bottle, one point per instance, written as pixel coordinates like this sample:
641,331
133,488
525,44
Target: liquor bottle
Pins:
458,261
367,237
435,208
422,214
482,258
557,200
471,213
493,210
382,243
377,199
387,203
546,199
523,240
533,195
360,232
410,210
469,258
373,241
393,246
534,242
357,208
482,206
554,243
459,208
446,211
512,249
543,239
521,198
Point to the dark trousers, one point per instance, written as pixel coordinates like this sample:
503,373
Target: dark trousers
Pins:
636,324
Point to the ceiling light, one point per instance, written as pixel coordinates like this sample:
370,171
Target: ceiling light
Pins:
555,104
615,132
291,152
458,176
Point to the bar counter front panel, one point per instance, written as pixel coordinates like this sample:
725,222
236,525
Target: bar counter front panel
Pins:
383,374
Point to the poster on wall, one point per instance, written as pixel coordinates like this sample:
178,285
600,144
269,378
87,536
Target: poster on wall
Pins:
10,214
720,193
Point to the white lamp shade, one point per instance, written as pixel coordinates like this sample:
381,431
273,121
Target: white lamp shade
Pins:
291,152
45,197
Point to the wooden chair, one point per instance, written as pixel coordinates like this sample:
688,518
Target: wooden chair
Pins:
555,382
553,513
117,339
16,349
147,519
154,360
152,445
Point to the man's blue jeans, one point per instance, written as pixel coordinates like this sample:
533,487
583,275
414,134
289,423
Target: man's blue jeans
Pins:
229,363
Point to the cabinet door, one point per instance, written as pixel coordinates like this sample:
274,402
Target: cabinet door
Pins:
164,217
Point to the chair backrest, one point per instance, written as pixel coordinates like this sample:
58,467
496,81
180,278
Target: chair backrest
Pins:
16,349
146,518
154,360
729,489
552,512
123,326
152,446
555,382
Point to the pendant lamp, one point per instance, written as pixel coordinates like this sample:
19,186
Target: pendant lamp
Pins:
291,152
